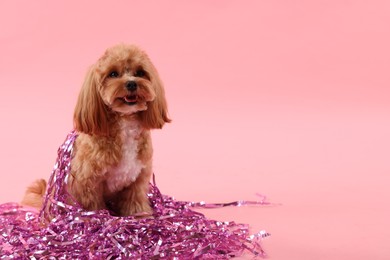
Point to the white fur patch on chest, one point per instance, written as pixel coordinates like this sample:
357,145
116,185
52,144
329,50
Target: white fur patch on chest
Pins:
128,169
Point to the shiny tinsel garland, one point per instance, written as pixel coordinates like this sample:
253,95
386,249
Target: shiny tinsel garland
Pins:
66,231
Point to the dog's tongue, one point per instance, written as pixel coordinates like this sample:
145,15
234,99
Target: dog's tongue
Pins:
130,98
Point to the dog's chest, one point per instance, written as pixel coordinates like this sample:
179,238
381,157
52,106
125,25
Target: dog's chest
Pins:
129,167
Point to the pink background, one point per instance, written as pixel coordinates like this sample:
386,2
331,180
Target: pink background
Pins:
286,98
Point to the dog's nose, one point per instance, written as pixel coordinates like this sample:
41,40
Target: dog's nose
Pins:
131,85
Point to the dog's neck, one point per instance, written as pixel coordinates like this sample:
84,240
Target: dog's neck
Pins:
130,125
125,124
119,124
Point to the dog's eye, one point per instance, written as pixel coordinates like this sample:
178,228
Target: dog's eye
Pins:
140,73
113,74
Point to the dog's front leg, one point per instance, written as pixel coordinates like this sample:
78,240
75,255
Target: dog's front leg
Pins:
134,198
87,192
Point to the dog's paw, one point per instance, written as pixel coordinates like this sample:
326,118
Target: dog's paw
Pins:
136,208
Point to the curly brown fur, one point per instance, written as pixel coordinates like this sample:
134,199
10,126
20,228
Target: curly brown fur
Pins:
121,100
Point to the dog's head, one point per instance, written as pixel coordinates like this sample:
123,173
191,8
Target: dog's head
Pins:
122,82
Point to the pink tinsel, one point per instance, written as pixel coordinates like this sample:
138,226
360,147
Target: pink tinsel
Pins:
66,231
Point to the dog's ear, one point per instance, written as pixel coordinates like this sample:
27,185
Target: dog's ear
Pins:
157,113
90,114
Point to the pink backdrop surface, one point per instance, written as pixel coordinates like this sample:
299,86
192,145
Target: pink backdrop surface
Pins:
290,99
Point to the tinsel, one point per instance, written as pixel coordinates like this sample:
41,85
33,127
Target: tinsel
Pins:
63,230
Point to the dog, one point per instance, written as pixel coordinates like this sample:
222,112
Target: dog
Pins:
121,100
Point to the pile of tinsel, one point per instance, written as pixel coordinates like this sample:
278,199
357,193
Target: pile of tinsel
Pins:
66,231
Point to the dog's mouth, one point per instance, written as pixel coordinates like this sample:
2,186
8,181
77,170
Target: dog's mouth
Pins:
130,99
